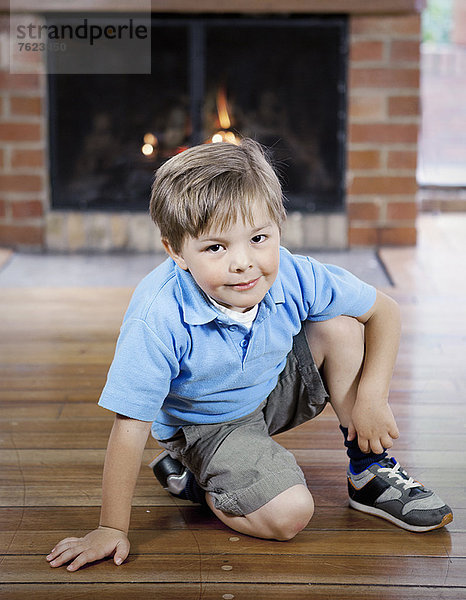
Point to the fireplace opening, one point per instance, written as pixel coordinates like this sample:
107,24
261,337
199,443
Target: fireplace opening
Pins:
281,81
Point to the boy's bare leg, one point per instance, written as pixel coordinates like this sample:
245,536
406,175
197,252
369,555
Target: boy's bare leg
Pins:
280,519
337,346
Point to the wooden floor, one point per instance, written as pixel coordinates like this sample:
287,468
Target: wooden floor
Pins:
55,349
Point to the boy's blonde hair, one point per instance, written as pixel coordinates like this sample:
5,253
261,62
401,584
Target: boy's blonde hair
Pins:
211,185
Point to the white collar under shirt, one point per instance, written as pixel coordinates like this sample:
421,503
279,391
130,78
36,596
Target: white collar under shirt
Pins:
244,318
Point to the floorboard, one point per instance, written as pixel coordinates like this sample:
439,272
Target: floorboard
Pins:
55,348
227,591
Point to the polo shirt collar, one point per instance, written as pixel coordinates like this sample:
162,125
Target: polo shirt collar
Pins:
197,310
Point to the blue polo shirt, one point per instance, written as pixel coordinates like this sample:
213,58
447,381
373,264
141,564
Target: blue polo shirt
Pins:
179,360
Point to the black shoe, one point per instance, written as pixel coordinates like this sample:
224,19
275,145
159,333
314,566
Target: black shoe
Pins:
170,473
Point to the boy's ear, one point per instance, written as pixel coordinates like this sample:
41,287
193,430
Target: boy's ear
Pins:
176,257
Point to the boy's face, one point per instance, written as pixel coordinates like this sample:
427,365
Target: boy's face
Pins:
236,266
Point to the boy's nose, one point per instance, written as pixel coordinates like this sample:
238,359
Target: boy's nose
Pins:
240,261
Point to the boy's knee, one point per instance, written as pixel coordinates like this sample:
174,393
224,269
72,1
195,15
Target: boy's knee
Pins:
291,514
339,331
338,328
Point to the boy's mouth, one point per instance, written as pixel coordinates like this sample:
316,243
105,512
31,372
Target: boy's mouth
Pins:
247,285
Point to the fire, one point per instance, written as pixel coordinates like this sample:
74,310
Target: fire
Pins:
150,145
225,134
222,109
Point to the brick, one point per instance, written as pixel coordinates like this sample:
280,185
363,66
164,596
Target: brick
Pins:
364,159
367,106
381,133
402,211
21,183
363,211
382,236
383,185
18,81
17,235
26,105
393,25
376,77
402,159
21,159
362,236
405,51
3,208
397,236
27,209
366,50
20,132
403,106
2,158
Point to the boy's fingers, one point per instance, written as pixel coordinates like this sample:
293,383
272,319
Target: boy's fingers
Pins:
56,556
121,552
61,546
351,432
66,542
378,446
91,554
85,557
364,444
394,433
65,556
387,442
80,561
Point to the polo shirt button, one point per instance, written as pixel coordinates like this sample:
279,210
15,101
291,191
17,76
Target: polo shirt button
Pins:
233,328
243,343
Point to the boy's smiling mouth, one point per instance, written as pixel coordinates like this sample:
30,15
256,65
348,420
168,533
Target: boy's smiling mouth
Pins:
247,285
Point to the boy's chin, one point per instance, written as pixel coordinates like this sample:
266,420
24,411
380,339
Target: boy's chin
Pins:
244,307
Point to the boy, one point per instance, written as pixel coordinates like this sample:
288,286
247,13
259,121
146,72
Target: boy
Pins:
215,356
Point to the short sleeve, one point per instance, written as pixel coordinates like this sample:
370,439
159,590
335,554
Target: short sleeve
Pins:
338,292
140,375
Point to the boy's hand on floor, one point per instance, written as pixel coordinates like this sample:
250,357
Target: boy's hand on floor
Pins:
96,545
374,425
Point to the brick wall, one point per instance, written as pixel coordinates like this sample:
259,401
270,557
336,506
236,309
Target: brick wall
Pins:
23,161
382,149
383,130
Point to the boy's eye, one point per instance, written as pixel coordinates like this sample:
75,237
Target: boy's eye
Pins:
258,238
214,248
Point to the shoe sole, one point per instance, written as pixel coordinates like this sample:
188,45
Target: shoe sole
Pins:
370,510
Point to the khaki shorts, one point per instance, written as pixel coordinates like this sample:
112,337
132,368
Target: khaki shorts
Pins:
238,462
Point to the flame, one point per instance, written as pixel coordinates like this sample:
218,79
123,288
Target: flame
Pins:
150,138
225,134
222,109
150,146
147,149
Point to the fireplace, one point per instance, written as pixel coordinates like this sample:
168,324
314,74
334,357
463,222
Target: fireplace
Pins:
213,80
73,181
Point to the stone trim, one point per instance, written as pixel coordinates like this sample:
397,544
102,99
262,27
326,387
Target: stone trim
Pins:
71,231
